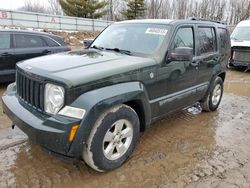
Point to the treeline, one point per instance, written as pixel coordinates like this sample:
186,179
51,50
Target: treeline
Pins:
230,11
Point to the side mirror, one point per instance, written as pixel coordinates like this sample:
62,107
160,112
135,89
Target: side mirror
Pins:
88,42
181,54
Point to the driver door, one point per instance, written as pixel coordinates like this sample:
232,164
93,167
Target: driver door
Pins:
178,78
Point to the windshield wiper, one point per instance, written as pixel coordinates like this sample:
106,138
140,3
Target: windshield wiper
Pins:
97,47
119,50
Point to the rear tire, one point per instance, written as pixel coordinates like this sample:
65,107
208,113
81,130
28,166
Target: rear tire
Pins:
213,98
112,139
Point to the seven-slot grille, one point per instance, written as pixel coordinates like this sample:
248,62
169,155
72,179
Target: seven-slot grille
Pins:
30,90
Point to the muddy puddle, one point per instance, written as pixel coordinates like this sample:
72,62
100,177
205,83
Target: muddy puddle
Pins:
184,149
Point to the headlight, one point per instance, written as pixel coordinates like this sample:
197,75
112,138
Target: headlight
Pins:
53,98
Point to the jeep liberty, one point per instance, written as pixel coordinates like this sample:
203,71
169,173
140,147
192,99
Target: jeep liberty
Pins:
92,104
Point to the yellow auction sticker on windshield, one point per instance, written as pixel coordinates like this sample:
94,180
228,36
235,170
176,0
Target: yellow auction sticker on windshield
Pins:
157,31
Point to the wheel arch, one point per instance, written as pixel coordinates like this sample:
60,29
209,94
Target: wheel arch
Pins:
137,106
222,76
97,101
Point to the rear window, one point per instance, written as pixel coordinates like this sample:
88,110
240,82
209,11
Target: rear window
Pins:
28,41
4,41
207,40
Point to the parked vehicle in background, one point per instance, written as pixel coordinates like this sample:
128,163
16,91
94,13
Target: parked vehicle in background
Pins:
240,45
18,45
91,104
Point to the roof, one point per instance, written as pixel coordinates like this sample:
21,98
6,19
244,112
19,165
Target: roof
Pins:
153,21
26,31
244,23
167,21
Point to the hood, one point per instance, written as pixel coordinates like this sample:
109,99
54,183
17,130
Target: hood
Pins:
83,66
242,43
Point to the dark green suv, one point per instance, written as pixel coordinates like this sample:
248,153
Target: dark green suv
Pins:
92,104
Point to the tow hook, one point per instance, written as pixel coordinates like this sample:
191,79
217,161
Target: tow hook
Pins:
13,126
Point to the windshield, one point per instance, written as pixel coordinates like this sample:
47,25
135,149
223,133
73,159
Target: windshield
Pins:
241,33
134,38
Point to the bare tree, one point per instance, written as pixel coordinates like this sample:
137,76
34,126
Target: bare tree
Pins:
55,7
231,11
154,8
239,10
34,6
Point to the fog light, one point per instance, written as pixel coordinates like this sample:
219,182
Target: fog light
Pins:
73,132
72,112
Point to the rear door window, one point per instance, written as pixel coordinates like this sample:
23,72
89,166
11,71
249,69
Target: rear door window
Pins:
28,41
207,40
5,41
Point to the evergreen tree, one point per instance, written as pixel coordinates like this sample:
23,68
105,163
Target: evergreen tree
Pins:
135,9
84,8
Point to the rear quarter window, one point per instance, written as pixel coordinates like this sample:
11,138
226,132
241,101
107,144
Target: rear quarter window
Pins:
50,42
224,39
207,40
60,40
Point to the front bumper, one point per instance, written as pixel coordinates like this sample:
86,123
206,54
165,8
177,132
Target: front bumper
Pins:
240,56
239,63
52,133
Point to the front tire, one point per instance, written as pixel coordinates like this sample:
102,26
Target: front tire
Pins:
112,139
213,98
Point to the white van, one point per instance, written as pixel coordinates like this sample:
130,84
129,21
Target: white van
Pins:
240,45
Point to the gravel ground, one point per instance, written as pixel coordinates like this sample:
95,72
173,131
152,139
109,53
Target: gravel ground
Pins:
187,149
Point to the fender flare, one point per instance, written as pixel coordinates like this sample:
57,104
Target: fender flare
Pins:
99,100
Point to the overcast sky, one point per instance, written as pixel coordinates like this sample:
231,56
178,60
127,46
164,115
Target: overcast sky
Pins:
14,4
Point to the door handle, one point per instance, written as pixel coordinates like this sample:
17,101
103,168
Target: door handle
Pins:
5,54
46,51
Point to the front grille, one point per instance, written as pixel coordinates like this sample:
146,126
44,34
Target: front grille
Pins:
30,90
241,56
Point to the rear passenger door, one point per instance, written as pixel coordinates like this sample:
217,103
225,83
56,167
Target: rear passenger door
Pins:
208,56
29,46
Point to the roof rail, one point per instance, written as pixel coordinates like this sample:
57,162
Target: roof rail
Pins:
203,19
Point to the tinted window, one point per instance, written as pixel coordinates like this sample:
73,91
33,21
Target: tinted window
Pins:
184,38
4,40
224,38
207,40
28,41
59,40
50,42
